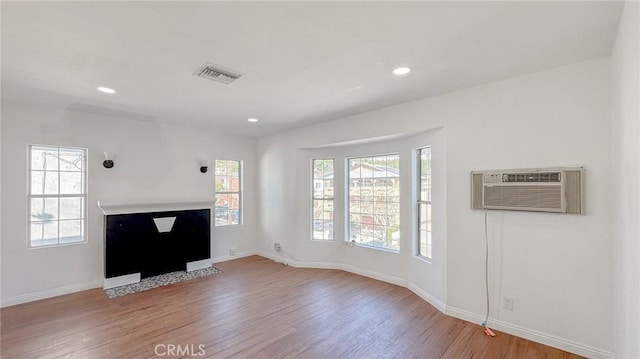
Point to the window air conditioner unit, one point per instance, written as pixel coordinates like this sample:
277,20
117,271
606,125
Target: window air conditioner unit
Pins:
557,190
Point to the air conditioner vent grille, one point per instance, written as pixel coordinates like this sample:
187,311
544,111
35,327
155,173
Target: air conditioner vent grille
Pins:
217,73
548,197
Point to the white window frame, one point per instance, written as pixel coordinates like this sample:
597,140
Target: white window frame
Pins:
324,199
364,181
428,255
58,196
239,193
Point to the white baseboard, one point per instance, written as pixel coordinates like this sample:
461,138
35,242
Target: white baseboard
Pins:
298,264
437,303
229,258
530,334
196,265
533,335
536,336
276,258
30,297
375,275
331,265
20,299
318,265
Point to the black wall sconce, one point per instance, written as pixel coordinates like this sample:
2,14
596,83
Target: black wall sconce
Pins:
108,160
204,166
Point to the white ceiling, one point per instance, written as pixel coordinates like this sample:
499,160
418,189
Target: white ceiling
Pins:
303,62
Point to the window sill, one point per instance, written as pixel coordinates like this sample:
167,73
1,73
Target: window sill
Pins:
29,247
392,251
422,258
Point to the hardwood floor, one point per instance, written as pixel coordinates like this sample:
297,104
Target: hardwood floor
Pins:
255,308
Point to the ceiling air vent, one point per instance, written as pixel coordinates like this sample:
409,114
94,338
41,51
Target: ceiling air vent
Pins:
217,73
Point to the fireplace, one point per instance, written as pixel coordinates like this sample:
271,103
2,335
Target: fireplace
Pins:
145,239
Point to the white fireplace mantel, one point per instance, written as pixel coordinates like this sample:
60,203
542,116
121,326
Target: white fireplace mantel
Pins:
146,206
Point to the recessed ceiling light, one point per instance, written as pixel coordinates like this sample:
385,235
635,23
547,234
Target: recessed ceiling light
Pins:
106,90
252,120
401,70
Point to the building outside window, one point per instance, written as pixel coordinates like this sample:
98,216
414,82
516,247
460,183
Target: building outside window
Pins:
374,201
228,182
57,195
322,199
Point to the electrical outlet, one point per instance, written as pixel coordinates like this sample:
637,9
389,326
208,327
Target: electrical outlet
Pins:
232,251
276,247
507,303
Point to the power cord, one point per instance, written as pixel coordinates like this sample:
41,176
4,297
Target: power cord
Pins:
485,325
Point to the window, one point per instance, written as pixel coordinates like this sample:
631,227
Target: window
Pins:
228,192
322,200
424,202
57,195
374,201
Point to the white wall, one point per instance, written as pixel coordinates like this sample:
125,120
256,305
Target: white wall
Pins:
626,161
0,204
558,268
550,264
152,161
